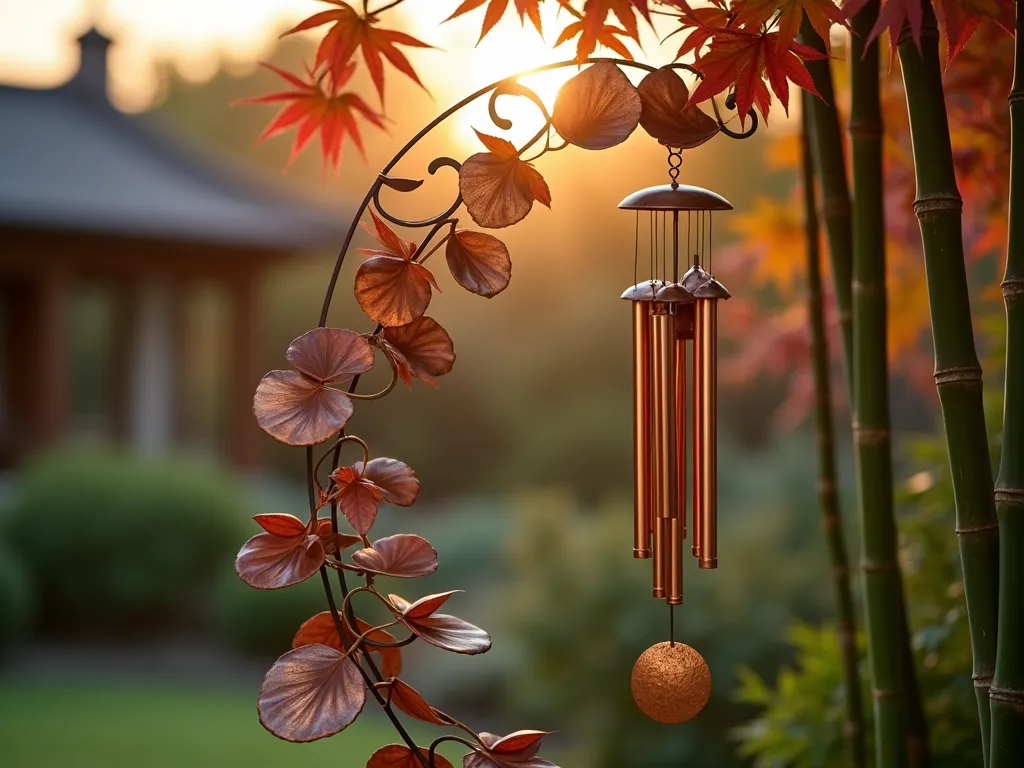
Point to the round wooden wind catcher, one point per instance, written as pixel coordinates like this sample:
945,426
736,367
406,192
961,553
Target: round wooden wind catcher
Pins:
675,337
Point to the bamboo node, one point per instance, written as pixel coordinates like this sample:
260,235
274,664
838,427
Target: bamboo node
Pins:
826,488
1015,97
952,375
929,30
1013,289
870,435
1009,696
937,204
1009,495
977,529
982,681
865,129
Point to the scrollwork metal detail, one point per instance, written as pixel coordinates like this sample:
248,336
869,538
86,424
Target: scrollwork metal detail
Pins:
508,86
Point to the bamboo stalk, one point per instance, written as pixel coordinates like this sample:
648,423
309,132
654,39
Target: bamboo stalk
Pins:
883,589
830,161
957,370
828,495
1007,692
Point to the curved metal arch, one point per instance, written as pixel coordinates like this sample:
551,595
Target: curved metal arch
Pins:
507,86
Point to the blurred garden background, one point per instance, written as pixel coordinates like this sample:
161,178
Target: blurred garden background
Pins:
126,637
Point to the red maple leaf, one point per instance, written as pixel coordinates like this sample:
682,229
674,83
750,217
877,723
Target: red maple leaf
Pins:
743,59
349,32
961,19
893,15
496,9
700,24
593,30
311,109
822,14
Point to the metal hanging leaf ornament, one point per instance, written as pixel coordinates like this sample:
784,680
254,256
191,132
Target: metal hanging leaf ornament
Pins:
667,114
598,108
498,187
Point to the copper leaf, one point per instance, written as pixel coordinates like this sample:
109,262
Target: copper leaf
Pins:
392,244
358,498
394,478
297,411
403,555
334,542
409,700
667,114
517,750
447,632
330,355
479,262
311,692
597,108
424,606
320,629
280,524
393,291
271,562
424,349
400,756
498,187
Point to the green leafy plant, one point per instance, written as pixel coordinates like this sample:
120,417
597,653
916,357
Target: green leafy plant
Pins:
88,507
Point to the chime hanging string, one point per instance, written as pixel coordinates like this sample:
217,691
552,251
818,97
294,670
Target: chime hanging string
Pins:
689,240
711,219
664,250
651,243
636,249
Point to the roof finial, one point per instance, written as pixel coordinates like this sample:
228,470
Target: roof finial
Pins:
93,45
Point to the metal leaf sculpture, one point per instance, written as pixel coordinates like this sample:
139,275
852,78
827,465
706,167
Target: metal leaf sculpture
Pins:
404,556
409,700
421,348
479,262
311,692
300,407
597,108
448,632
498,187
400,756
267,561
667,114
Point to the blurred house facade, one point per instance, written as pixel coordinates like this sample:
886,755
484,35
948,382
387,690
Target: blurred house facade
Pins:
92,197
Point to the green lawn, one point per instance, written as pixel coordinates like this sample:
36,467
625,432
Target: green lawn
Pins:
50,726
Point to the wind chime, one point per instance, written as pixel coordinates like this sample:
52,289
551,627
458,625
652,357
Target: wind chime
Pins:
675,348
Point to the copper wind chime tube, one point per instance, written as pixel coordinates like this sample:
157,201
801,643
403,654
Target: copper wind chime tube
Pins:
668,313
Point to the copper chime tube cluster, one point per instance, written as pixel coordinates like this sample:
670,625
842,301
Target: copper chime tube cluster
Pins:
667,314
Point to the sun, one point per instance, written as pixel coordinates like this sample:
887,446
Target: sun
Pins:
507,50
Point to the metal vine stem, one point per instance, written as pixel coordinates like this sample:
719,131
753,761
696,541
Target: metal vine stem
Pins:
509,86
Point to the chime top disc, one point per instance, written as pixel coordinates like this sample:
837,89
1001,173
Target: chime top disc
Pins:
680,198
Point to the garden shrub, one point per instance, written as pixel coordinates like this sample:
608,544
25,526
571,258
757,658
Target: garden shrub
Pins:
16,598
116,542
263,622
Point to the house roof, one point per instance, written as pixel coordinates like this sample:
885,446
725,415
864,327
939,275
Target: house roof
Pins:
70,161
